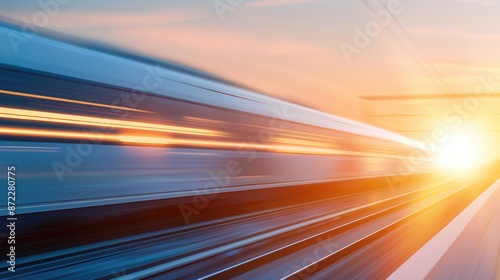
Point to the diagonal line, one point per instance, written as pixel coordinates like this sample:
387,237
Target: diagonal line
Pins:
413,42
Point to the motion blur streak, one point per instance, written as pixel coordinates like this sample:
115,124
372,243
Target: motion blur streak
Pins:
143,140
83,136
132,139
301,142
69,100
32,115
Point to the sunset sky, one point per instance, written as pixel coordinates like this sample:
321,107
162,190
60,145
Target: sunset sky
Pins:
293,48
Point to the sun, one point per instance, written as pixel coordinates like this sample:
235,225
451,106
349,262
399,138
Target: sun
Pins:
460,151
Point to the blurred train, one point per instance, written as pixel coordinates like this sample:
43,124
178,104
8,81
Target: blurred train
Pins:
87,124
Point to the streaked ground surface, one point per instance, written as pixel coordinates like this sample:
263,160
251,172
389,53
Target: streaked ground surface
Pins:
359,229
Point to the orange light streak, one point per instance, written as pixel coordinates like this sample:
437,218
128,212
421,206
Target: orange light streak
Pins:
68,100
32,115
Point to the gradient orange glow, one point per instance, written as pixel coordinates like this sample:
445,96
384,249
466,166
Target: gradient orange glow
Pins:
462,150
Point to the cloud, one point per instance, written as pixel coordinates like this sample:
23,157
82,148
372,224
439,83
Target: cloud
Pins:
482,2
454,33
286,47
267,3
72,19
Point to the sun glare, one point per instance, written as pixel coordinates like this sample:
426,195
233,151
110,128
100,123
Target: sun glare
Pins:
460,151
